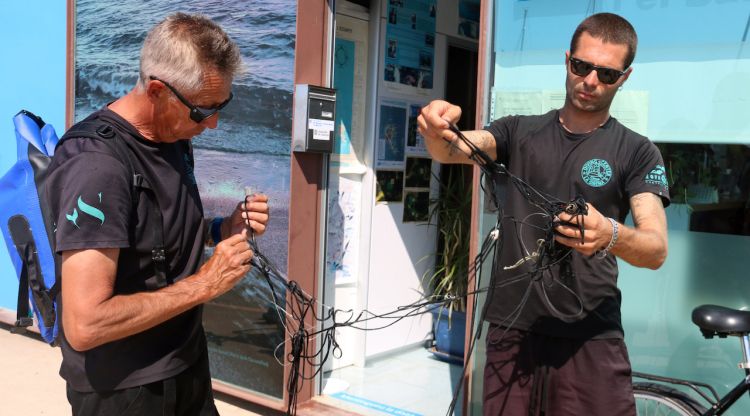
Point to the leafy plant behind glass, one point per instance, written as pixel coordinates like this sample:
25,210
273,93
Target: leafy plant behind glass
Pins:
451,212
688,165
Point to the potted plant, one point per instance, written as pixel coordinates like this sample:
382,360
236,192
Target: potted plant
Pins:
451,213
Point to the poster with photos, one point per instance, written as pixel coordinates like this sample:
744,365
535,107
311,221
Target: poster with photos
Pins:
410,43
390,186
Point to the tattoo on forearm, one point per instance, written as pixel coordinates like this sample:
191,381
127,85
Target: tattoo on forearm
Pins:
453,148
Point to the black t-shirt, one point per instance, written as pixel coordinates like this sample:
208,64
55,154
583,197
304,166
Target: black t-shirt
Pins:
578,296
90,194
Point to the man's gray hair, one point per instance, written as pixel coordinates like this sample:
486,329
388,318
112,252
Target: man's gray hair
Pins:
181,47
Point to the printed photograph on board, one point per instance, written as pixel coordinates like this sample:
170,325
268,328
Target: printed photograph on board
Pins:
389,186
391,136
416,206
418,172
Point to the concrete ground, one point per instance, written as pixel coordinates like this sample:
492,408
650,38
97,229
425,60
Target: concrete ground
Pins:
30,385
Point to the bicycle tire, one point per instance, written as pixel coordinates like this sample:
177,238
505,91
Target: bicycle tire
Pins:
654,399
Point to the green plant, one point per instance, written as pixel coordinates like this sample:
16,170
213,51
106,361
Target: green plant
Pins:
451,213
688,166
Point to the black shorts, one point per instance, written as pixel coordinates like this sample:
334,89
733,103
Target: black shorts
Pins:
187,393
533,374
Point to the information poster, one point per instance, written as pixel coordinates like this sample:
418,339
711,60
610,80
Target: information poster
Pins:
629,107
343,229
410,43
350,77
508,103
391,141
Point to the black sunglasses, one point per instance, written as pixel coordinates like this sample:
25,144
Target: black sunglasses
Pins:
197,114
606,75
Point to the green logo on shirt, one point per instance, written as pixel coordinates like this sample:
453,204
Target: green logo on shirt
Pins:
657,176
86,209
596,173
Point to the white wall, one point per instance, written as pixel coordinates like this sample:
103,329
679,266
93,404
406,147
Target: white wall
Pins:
400,253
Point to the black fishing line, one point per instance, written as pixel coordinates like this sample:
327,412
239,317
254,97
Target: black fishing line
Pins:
300,308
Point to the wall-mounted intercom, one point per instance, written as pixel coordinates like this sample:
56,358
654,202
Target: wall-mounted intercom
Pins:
314,119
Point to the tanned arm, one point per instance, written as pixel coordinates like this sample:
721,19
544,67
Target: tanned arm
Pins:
644,245
93,316
442,144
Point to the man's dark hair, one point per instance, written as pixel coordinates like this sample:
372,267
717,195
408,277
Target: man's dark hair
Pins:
610,28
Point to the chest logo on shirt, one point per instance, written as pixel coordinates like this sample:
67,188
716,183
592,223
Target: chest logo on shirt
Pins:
657,176
86,209
596,172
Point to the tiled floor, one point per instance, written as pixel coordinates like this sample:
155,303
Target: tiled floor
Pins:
410,383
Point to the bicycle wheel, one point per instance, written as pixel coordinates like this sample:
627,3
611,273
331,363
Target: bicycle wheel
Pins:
653,399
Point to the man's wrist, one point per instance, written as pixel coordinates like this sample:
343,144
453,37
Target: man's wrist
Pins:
613,239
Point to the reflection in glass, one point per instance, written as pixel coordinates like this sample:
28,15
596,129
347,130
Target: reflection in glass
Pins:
710,187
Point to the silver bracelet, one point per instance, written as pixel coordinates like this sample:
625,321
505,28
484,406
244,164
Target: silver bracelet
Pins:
615,232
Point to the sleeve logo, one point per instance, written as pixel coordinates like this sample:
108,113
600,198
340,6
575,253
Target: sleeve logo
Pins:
657,176
596,172
86,209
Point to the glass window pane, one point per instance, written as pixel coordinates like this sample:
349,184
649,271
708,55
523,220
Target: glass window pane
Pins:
688,92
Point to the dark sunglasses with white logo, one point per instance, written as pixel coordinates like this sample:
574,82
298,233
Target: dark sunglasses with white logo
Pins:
606,75
197,114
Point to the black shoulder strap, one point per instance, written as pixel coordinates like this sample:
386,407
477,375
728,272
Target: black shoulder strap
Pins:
31,277
99,128
158,254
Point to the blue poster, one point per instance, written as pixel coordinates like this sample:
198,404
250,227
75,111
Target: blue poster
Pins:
391,137
410,43
343,81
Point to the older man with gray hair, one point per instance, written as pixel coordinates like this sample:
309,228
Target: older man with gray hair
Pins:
131,232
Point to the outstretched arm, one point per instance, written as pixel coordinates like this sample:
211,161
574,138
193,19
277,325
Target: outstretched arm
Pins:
443,145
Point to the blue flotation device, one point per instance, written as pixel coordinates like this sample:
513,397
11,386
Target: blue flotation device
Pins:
27,226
